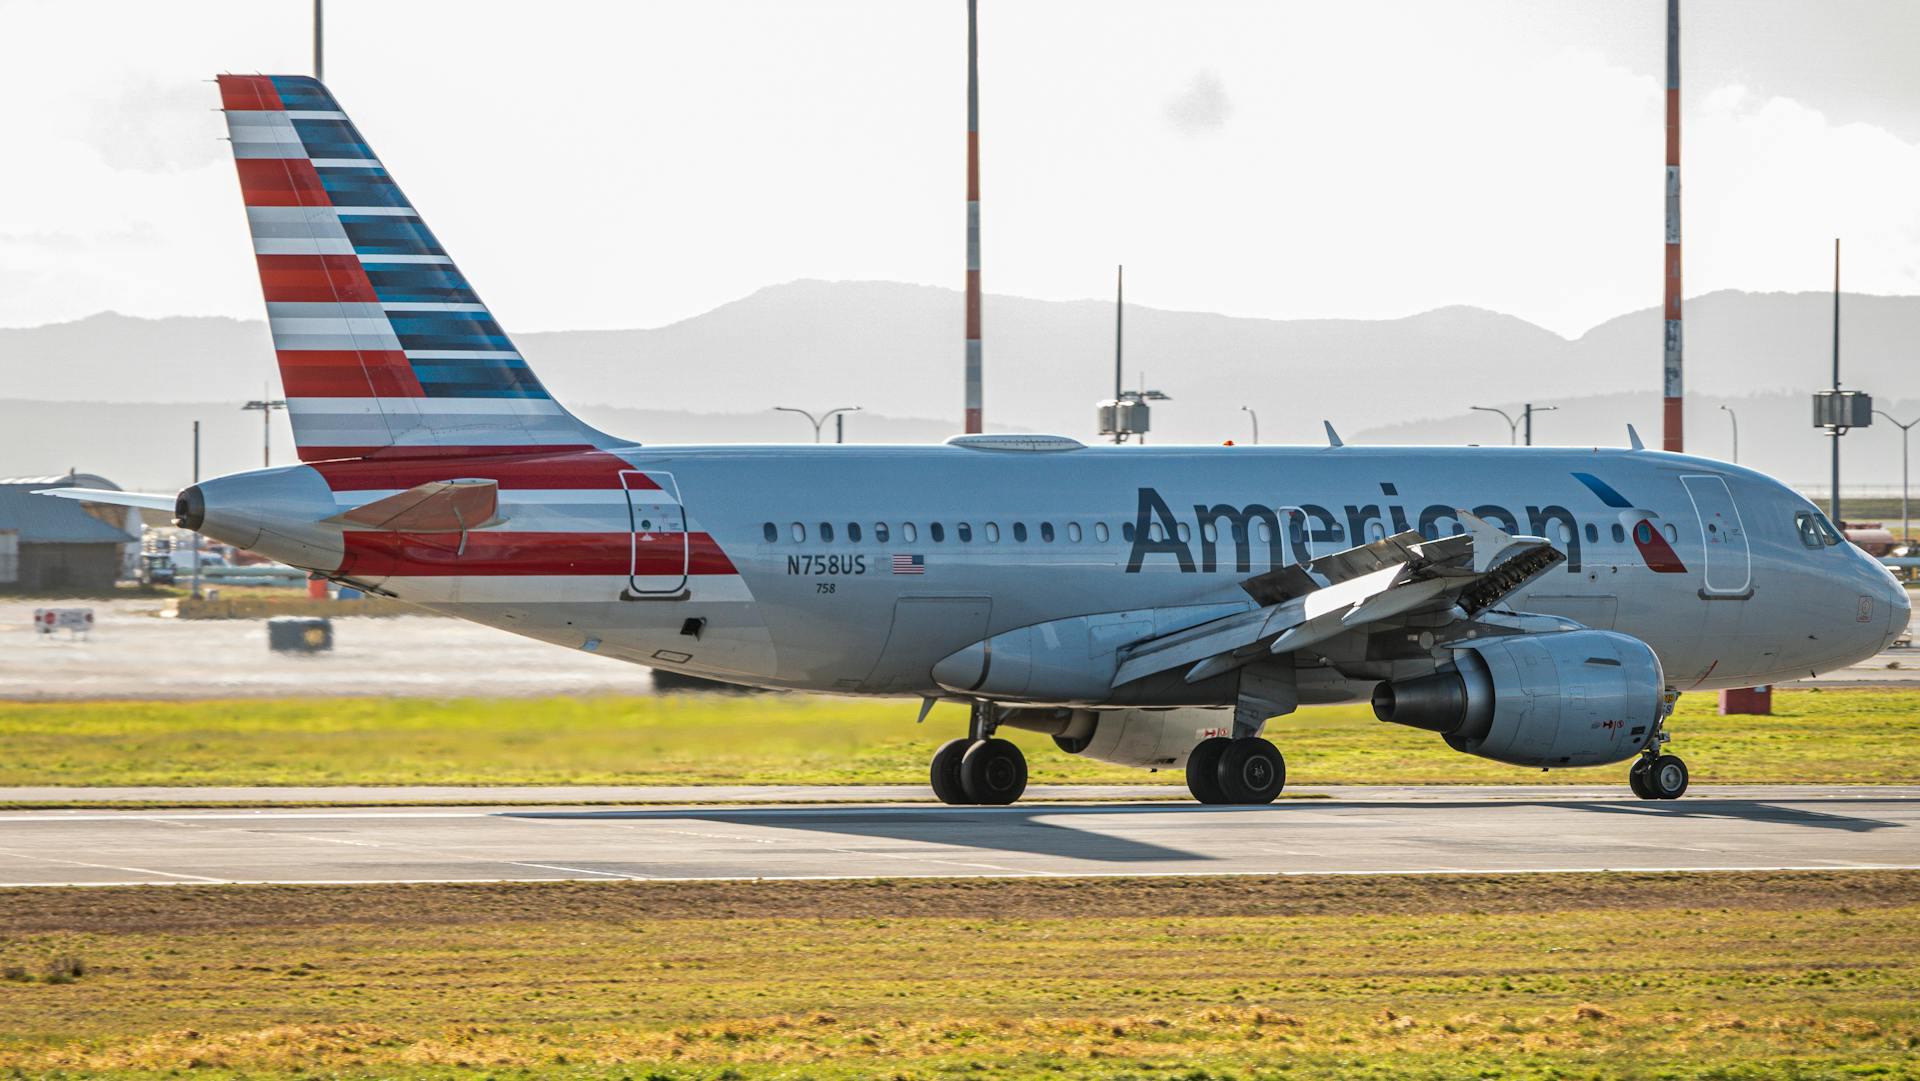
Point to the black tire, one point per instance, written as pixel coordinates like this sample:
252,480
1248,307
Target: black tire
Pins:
1667,777
1251,771
945,774
1637,777
993,772
1203,769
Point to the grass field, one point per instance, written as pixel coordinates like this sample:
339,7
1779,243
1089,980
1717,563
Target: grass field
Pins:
1814,736
1720,976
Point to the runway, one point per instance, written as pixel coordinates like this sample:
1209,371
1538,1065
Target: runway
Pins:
1393,831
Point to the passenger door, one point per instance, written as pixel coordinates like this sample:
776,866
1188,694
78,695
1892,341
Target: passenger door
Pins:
659,548
1728,570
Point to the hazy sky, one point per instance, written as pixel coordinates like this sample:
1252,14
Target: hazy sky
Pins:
631,164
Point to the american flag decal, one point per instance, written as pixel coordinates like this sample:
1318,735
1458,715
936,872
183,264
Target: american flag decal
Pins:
909,564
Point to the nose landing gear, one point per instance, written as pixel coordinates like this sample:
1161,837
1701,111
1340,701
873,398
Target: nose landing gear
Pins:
1656,775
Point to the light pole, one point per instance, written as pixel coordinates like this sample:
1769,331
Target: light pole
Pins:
265,407
1735,418
1905,523
1255,418
821,421
1514,423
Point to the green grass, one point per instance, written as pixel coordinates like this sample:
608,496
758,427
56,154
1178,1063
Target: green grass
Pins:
1860,736
1711,986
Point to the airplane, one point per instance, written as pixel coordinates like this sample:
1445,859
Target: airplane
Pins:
1153,607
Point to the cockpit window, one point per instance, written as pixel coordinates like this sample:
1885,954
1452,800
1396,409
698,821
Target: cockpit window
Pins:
1815,531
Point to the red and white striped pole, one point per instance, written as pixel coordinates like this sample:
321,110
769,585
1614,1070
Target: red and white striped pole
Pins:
1673,439
973,220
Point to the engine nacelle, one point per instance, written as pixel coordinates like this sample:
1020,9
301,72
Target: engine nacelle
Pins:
1144,738
1579,698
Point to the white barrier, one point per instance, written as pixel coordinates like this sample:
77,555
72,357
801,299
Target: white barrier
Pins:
75,621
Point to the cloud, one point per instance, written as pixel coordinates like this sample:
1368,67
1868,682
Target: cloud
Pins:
153,127
1202,108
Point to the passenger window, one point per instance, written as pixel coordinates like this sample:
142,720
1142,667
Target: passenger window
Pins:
1073,532
771,532
1186,532
853,532
1266,533
1593,533
937,531
964,531
1673,533
1046,532
909,532
799,533
1619,533
1020,532
1100,532
993,533
826,532
1126,532
880,532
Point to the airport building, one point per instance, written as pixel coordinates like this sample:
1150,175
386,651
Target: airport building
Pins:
60,544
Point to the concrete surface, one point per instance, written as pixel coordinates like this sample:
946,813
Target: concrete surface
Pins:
1451,831
391,795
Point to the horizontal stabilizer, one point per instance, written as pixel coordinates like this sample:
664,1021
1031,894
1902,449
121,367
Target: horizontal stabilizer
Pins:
438,506
112,498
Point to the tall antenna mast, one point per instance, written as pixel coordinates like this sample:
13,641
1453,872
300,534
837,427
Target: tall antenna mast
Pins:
1673,439
1119,322
973,218
319,43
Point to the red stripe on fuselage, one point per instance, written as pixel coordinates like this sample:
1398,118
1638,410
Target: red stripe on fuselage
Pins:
376,555
249,93
512,467
280,182
1660,556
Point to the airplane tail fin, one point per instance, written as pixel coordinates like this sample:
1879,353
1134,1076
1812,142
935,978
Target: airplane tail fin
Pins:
385,350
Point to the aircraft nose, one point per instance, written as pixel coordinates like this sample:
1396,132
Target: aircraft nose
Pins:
1899,611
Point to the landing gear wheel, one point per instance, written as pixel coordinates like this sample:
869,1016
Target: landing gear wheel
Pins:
1637,777
993,771
945,774
1250,770
1667,777
1203,769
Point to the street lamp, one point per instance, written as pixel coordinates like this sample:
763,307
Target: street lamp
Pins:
1255,418
1735,418
265,407
820,422
1514,423
1905,526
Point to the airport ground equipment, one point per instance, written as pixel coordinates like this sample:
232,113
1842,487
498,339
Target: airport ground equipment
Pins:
299,634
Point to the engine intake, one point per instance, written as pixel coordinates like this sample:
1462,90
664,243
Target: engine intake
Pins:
1577,698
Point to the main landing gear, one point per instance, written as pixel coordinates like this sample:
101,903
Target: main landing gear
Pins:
979,769
1245,770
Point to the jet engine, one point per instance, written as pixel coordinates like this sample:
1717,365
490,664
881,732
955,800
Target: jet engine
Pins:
1577,698
1145,738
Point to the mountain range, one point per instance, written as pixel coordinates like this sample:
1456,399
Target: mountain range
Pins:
894,349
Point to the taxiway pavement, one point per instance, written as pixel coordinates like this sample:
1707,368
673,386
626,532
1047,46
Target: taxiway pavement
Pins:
1393,830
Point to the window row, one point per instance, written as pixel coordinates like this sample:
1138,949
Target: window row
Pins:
909,532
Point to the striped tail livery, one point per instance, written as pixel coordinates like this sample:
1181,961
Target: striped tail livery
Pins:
385,350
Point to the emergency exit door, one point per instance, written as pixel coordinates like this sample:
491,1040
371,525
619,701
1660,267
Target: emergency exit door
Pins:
1728,563
659,548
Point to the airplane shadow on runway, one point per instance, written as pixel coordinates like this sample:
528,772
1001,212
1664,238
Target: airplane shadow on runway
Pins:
1006,829
1743,810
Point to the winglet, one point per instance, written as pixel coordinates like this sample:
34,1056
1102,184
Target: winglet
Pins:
1333,437
1633,439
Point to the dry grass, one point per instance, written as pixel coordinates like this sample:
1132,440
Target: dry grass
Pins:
1634,976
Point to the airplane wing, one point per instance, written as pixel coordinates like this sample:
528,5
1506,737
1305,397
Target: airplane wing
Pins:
1389,580
438,506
